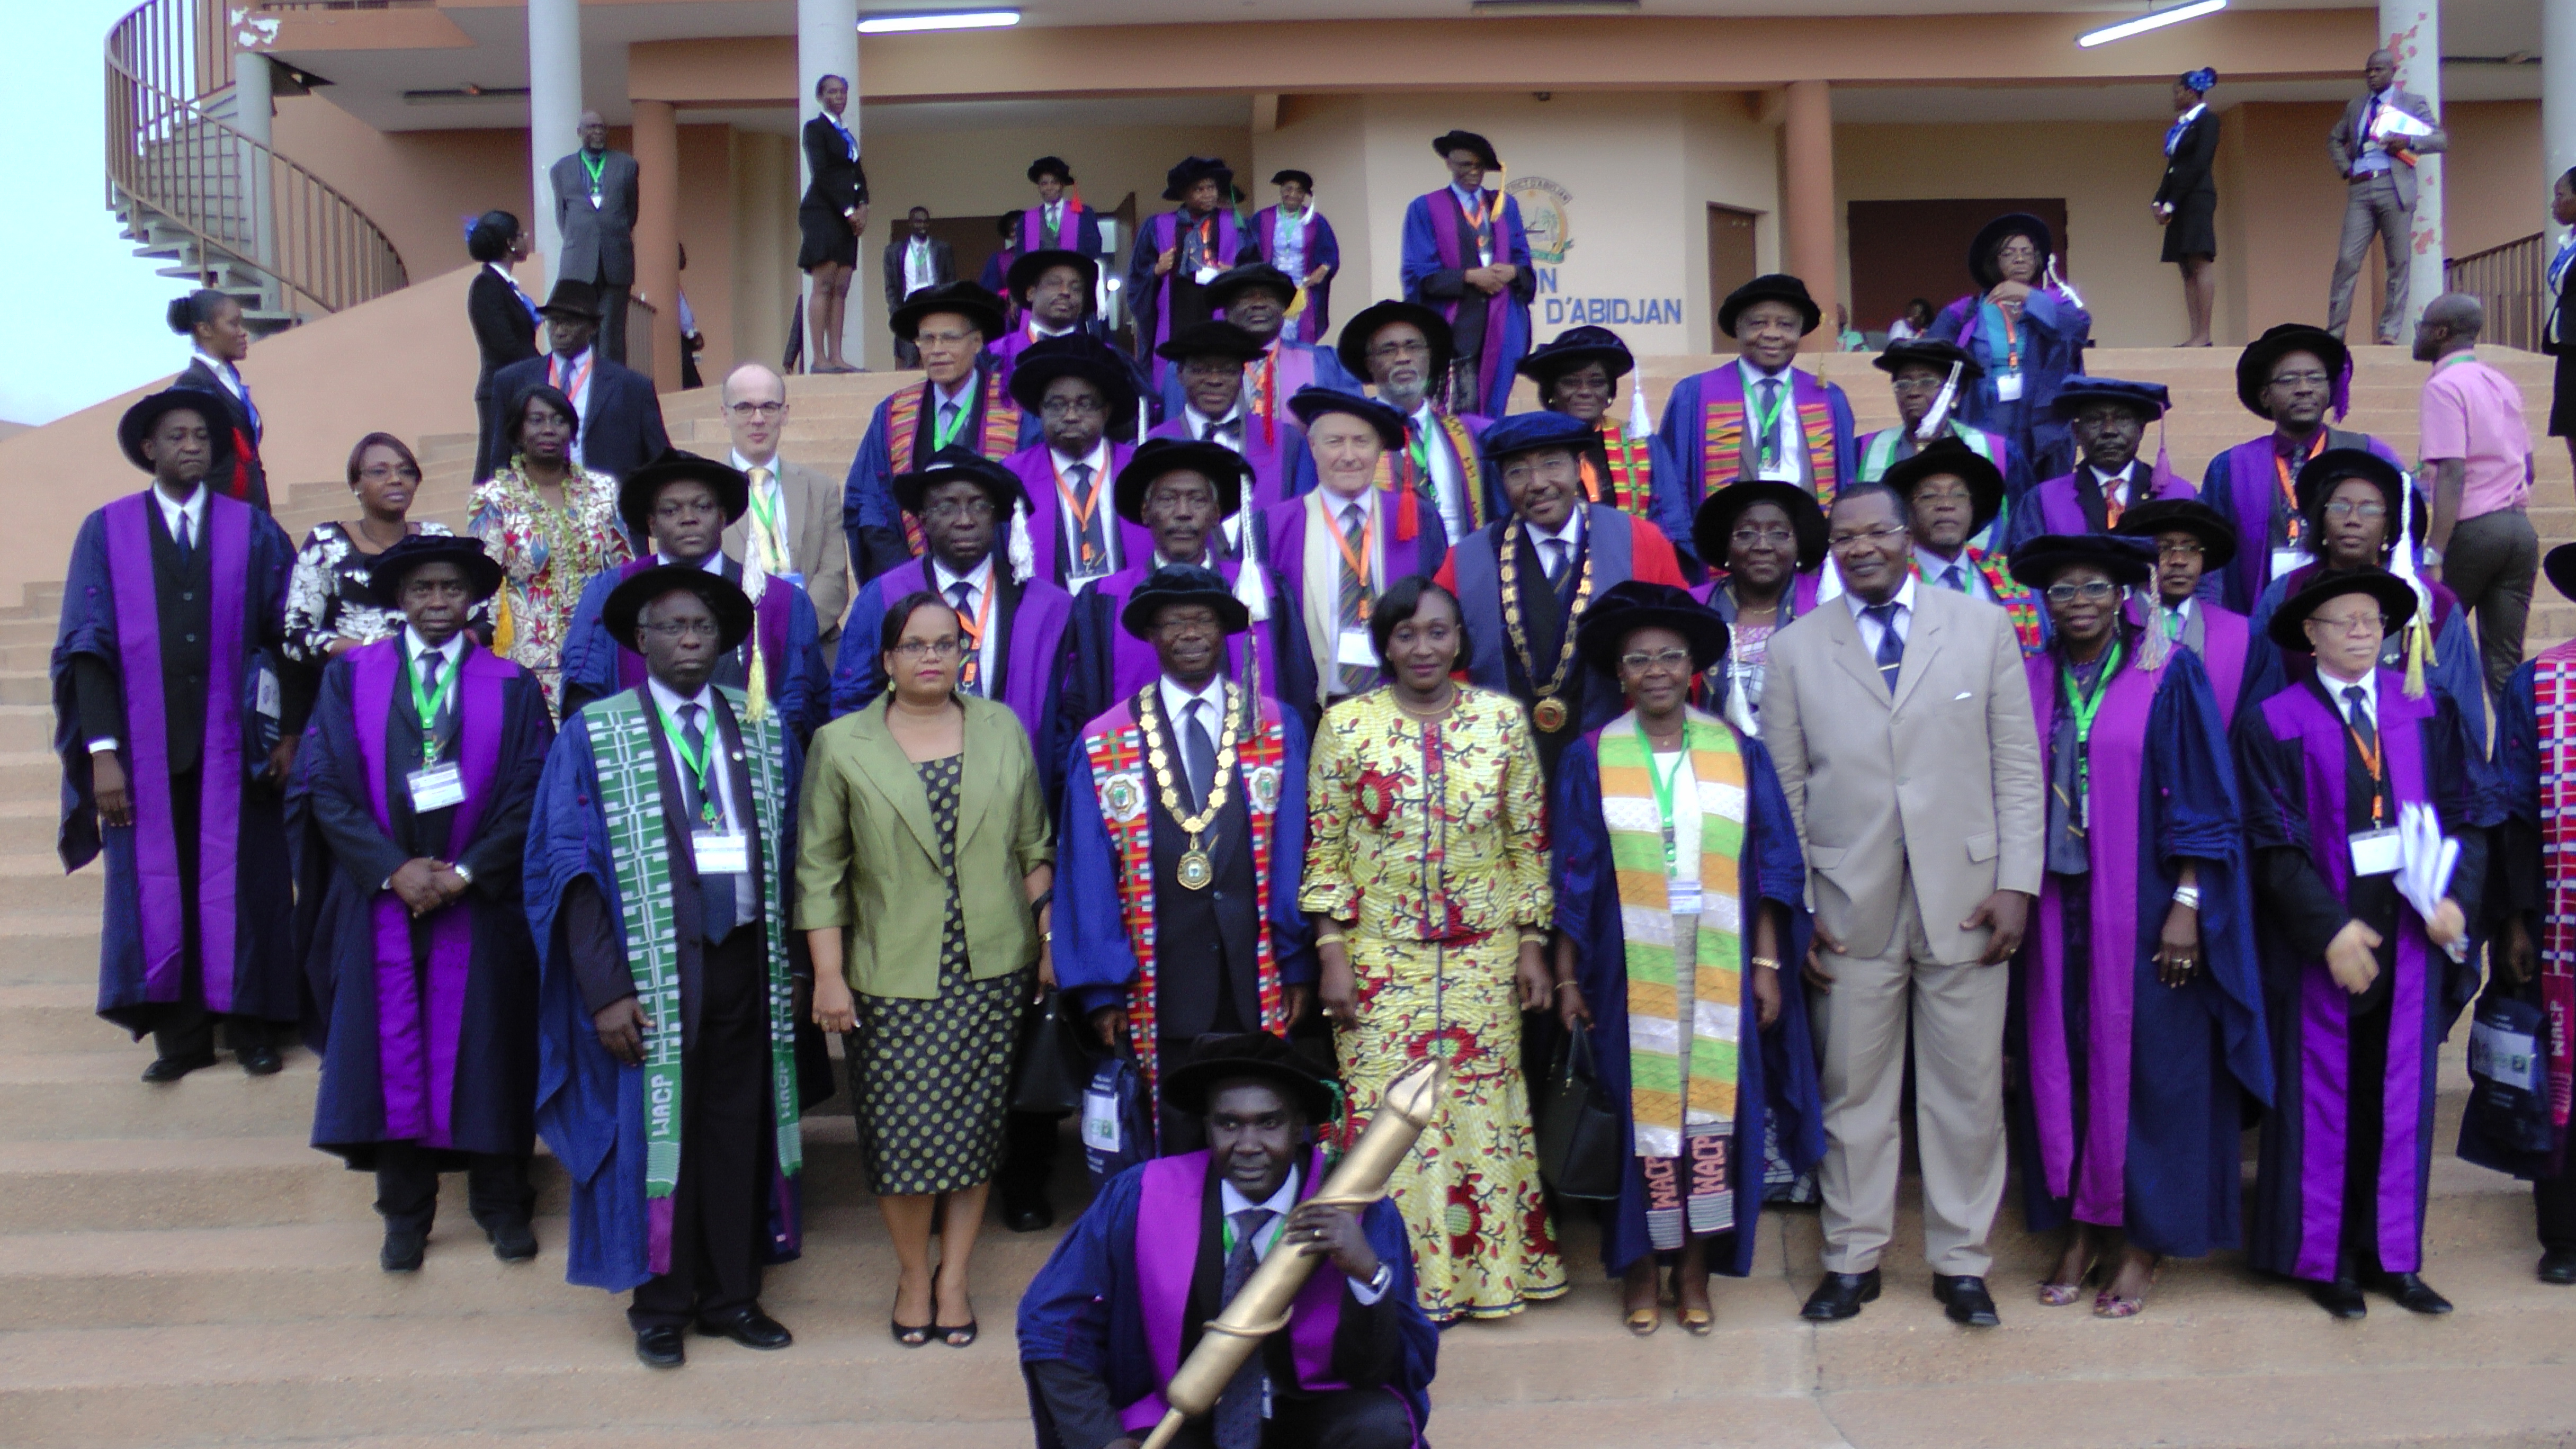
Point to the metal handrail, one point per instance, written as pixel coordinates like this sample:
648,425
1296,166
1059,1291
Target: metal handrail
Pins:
2513,281
166,59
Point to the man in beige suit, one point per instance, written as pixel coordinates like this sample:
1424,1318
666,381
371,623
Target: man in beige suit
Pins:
793,526
1901,725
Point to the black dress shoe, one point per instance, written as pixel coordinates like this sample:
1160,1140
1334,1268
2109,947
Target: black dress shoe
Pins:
1840,1296
402,1251
1033,1217
259,1061
1965,1297
2558,1266
2413,1294
2340,1297
170,1069
513,1242
751,1328
660,1346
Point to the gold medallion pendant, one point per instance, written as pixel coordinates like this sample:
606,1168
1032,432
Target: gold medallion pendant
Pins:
1195,870
1549,715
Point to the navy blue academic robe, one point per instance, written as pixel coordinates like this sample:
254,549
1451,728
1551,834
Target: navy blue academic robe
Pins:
1777,1083
448,1056
2187,1059
111,629
595,666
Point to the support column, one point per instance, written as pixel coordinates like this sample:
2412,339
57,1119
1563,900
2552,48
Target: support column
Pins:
2412,31
253,105
827,43
657,232
554,114
2557,91
1807,200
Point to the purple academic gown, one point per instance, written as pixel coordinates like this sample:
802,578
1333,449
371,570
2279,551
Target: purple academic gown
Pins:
1275,449
1036,469
1077,230
1322,250
1683,436
1150,296
2243,485
246,961
1033,647
2291,756
1432,248
2155,1152
1105,664
1298,365
2054,507
1284,523
784,628
428,1029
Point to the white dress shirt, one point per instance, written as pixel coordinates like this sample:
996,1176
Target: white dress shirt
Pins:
416,647
1178,697
1870,631
2114,486
1788,439
225,373
194,512
1071,528
1468,202
1230,1200
1569,535
2368,684
766,489
1456,516
917,270
1202,425
1936,567
977,582
746,905
572,372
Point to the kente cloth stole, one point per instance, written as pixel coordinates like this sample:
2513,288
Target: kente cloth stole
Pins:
630,797
1630,486
1881,453
1124,783
2553,688
999,439
2019,604
1635,828
1722,456
1471,466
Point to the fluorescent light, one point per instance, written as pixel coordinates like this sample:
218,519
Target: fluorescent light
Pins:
2152,20
941,20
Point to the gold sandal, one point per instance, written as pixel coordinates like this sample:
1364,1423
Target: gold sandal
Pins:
1645,1321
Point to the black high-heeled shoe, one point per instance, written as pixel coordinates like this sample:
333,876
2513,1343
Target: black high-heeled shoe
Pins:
914,1335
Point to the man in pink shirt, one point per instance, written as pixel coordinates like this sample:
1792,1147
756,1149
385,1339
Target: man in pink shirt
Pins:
2476,451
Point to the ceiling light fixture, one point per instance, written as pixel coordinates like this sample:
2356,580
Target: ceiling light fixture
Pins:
938,20
2152,20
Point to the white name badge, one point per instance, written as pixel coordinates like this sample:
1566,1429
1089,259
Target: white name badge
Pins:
1356,649
1100,1121
2286,559
1684,898
2008,387
2374,852
594,201
721,852
1205,275
436,787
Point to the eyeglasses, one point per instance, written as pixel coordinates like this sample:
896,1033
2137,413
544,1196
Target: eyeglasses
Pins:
2300,379
1917,384
750,410
1759,537
2092,591
1842,541
1639,662
2346,508
2352,627
950,509
2184,548
1390,351
919,649
1072,407
689,629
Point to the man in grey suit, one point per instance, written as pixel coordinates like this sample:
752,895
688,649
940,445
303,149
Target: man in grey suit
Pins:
914,262
2379,167
1900,720
792,527
595,205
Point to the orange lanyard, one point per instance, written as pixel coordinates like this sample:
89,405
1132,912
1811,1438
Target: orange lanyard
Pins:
1359,561
1081,511
580,376
2372,758
2012,341
2289,490
969,669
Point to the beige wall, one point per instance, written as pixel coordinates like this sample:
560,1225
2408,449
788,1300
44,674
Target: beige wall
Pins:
419,186
764,280
2493,189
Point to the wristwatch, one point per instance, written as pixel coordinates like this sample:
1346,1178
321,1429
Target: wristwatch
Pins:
1383,1278
462,873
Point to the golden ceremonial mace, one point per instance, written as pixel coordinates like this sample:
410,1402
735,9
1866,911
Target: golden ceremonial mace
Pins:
1261,1308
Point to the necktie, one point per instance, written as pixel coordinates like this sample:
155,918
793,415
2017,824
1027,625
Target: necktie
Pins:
2174,623
1555,560
1771,410
1228,431
2357,710
1238,1409
1091,541
969,669
1198,756
1891,645
1353,677
1954,580
243,388
770,524
947,424
715,892
430,660
187,541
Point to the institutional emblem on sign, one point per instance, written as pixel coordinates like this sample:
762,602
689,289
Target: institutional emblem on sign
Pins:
1543,206
1123,796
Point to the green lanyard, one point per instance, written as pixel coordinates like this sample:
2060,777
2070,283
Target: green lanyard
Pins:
2084,708
1420,444
1769,422
428,705
944,433
1278,1224
597,169
701,765
1664,793
773,536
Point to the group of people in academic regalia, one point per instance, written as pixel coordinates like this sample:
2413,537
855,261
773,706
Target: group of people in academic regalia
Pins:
1342,719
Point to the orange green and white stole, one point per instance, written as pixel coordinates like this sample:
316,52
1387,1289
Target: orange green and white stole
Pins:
1684,966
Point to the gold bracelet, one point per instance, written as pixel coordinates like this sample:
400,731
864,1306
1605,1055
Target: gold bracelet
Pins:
1534,938
1767,962
1334,939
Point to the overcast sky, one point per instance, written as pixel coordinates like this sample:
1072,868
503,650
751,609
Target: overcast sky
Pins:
84,311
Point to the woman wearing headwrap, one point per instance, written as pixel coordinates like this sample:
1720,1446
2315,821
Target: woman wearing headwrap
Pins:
2186,204
2027,330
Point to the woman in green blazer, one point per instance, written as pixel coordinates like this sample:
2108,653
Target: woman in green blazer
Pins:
920,878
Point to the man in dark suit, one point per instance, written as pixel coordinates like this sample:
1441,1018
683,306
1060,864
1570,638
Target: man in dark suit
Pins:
2374,147
595,208
915,261
619,416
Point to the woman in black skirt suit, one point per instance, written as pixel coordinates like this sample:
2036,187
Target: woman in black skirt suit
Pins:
834,212
505,326
2186,205
2559,339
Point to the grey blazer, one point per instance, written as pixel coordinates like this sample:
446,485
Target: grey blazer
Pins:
2343,143
815,540
1941,779
598,243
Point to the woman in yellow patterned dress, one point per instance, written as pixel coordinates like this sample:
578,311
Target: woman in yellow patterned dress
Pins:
551,524
1427,877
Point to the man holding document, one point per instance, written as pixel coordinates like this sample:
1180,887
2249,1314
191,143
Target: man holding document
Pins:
2374,146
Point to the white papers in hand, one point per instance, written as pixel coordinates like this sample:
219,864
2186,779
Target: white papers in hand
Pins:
2394,122
2426,859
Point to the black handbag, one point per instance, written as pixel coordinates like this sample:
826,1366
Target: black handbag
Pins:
1580,1144
2506,1125
1052,1067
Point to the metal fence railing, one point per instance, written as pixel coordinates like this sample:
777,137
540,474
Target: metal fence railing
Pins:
2513,281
